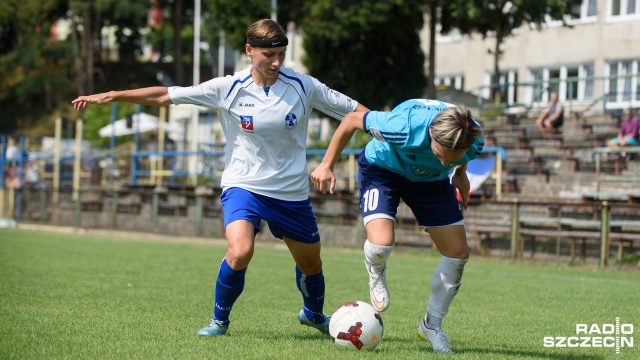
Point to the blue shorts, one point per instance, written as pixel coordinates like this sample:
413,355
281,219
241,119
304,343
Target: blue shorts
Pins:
631,141
290,219
433,203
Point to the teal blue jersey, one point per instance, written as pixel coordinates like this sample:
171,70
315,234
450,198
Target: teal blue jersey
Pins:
401,141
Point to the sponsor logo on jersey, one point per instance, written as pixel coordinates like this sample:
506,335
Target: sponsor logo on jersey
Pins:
376,134
290,121
247,122
424,172
241,104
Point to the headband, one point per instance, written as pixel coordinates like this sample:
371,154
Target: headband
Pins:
268,43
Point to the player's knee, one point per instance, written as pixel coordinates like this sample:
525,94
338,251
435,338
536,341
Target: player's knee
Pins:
239,257
458,253
310,267
462,254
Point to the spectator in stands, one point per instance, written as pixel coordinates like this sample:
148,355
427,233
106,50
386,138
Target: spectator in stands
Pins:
551,118
32,175
12,156
415,148
265,112
12,153
628,134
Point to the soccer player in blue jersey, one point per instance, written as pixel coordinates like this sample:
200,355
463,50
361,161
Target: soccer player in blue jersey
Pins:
264,111
414,150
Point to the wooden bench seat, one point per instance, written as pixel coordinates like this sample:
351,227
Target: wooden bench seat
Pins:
172,209
540,171
574,230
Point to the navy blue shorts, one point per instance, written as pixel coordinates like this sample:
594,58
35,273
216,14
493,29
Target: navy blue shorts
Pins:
433,203
290,219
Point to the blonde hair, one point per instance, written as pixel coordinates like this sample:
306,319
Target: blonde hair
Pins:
455,129
265,29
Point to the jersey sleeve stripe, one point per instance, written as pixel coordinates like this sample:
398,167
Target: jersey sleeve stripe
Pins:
236,83
296,80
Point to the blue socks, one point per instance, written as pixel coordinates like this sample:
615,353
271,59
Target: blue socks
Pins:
312,289
229,286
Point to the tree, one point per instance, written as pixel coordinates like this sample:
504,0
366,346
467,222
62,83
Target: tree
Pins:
499,18
439,13
368,50
89,18
34,76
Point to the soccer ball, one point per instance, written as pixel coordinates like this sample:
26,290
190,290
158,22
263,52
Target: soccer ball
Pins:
356,325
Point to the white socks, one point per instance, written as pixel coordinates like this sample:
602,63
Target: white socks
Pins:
376,255
444,286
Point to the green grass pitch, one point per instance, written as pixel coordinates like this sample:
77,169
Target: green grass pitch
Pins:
74,296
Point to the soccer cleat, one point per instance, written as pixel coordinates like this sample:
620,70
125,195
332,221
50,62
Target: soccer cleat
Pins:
378,290
324,327
215,328
437,337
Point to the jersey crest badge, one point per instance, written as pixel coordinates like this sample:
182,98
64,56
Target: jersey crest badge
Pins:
376,134
247,122
290,121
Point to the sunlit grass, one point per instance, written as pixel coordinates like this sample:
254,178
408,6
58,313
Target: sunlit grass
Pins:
98,297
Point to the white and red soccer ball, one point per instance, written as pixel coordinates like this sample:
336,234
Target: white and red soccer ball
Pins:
356,325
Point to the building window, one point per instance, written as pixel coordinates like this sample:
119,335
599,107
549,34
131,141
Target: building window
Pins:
623,85
570,82
508,86
454,81
586,10
624,9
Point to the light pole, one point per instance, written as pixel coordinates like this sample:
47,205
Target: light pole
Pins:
196,80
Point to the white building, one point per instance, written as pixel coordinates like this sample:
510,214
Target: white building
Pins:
598,55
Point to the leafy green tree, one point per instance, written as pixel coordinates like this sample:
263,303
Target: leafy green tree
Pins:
89,18
369,50
34,75
499,19
234,17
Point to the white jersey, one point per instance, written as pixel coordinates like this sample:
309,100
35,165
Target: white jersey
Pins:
266,128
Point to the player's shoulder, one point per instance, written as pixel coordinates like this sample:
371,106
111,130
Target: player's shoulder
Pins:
307,83
242,76
228,81
290,74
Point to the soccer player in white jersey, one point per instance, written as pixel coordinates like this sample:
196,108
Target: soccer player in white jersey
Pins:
414,149
264,111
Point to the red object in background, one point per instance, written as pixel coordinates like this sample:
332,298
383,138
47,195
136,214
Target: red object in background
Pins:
155,14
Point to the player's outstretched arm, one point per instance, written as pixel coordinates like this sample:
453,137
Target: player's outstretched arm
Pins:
324,172
154,96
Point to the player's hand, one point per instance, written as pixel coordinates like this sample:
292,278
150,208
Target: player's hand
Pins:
81,102
460,181
321,175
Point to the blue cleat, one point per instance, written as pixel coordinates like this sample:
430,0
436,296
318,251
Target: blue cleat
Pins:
324,327
215,328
